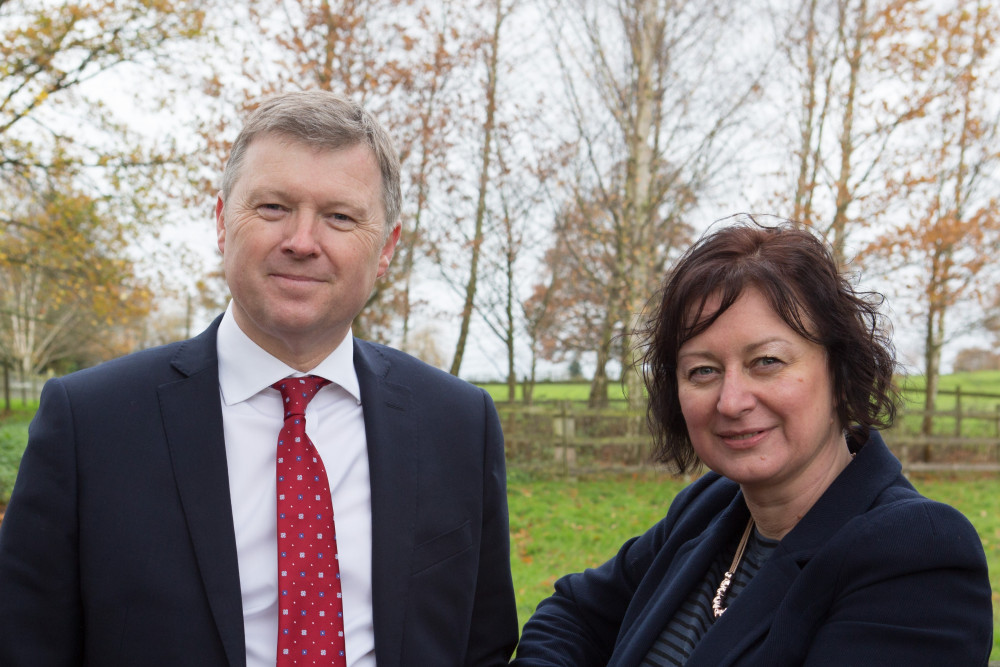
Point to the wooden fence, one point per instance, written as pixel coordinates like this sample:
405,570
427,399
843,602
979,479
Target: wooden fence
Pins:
568,438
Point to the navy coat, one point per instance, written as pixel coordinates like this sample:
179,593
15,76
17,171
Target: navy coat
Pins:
118,545
874,574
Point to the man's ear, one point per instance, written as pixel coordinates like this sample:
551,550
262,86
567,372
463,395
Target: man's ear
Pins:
220,223
385,256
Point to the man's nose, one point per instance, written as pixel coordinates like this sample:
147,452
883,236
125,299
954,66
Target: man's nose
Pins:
300,234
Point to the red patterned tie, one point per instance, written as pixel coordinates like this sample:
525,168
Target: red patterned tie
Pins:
310,609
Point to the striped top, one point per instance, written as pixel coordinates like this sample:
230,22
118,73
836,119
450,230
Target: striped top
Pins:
677,641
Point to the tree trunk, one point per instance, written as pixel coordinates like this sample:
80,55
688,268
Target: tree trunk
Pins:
932,365
599,384
838,227
484,168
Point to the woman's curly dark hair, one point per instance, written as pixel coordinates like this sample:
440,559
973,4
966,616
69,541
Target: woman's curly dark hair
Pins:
796,273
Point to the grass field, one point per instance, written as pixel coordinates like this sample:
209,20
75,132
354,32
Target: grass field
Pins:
556,391
13,437
987,382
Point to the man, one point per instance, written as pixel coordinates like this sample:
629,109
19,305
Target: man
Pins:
145,527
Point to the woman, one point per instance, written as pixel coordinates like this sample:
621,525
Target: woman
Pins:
804,545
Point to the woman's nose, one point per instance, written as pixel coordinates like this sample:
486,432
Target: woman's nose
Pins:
736,396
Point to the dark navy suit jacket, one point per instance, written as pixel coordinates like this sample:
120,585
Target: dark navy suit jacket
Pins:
118,545
874,574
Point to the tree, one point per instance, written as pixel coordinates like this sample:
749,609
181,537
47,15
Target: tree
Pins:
859,81
512,230
972,359
539,315
955,230
425,150
491,63
67,283
655,91
581,288
49,58
75,182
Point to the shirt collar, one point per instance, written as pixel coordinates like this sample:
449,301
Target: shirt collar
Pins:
245,368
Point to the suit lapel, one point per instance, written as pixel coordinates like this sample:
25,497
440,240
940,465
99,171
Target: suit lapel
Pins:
192,420
393,446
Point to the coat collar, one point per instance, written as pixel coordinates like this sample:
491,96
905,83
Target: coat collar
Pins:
851,494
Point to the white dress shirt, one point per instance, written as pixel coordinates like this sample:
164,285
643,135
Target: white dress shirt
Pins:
252,417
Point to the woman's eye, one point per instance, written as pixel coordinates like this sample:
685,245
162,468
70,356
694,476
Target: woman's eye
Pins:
768,361
701,372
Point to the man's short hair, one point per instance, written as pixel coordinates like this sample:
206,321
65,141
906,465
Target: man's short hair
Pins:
322,120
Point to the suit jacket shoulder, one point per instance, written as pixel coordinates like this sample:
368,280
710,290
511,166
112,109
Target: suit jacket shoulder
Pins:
151,367
118,546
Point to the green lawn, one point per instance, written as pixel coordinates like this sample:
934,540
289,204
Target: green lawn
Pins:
561,527
555,391
13,437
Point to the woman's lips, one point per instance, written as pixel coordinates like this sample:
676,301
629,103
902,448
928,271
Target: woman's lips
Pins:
744,438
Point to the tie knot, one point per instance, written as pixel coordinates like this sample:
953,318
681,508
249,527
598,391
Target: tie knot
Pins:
297,392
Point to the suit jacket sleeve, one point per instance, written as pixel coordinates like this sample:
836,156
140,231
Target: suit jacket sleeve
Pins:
493,633
910,592
40,602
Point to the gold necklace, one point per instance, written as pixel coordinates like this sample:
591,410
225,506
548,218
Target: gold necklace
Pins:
727,580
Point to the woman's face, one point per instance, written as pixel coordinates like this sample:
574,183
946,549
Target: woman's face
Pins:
758,399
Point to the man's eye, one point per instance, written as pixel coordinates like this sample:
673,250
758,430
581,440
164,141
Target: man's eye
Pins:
270,211
341,221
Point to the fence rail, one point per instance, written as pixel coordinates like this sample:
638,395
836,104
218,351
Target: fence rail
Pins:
567,438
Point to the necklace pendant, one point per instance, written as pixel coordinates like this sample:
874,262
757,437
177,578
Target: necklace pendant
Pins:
720,595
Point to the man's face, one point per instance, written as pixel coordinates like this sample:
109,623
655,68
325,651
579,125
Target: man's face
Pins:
303,240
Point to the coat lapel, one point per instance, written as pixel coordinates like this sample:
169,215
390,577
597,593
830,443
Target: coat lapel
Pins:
854,490
660,600
192,420
732,635
393,446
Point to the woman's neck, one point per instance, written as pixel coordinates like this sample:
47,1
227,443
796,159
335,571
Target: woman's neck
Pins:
777,509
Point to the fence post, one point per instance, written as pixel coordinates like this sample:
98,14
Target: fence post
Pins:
564,427
6,388
958,412
905,457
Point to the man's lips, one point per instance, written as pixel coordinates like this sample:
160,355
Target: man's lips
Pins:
296,278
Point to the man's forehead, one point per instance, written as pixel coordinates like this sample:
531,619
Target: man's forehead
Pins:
327,145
